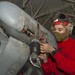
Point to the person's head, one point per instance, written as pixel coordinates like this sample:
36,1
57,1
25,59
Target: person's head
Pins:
62,27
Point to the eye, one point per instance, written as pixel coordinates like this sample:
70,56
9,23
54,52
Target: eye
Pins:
59,29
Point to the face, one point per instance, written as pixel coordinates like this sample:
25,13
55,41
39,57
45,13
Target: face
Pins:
60,33
59,28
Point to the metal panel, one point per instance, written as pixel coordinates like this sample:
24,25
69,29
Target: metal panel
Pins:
13,57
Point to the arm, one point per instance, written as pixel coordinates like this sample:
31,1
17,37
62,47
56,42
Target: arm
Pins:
64,63
48,67
47,64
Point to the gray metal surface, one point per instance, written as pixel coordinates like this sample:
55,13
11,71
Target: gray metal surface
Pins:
16,18
13,57
3,42
16,52
17,35
31,70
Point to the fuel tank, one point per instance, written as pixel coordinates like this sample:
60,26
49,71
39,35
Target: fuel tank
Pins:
14,49
16,18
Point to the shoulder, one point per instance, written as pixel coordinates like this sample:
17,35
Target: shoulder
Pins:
72,37
72,40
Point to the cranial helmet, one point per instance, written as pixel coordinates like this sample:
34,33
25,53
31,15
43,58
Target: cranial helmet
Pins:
62,19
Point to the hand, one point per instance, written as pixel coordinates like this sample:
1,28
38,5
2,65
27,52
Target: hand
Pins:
43,57
46,48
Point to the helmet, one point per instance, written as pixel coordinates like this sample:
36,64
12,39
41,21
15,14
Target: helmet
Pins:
62,19
65,20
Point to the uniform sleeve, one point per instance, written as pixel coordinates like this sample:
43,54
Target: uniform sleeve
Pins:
47,67
65,64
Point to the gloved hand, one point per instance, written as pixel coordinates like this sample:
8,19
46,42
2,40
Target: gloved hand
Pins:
43,57
46,48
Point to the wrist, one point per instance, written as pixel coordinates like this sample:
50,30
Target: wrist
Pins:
53,52
45,61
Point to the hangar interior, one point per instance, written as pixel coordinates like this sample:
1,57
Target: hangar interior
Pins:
43,11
